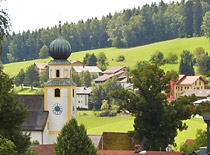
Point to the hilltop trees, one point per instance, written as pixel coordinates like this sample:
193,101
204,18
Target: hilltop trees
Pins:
73,139
129,28
156,120
206,24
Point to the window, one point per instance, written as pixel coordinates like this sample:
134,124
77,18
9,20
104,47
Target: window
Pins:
181,89
73,92
57,92
195,83
199,82
57,73
51,73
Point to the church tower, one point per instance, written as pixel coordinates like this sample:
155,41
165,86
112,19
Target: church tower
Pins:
60,90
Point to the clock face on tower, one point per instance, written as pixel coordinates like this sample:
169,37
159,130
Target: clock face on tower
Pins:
57,109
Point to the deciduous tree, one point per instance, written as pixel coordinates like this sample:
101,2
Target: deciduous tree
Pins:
156,120
31,77
20,78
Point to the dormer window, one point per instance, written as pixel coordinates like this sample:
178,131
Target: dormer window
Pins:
57,92
57,73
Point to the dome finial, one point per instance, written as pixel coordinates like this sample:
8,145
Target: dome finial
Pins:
59,27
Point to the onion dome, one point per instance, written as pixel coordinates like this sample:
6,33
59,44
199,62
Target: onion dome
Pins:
60,48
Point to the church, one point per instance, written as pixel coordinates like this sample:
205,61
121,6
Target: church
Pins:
48,113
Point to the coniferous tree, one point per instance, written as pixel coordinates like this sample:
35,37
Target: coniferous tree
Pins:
73,140
186,63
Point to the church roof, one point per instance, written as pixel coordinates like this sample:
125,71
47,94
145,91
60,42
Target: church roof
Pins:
37,117
60,82
60,48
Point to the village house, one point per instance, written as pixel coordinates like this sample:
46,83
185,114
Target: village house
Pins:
82,97
40,67
91,69
185,83
76,63
117,71
199,93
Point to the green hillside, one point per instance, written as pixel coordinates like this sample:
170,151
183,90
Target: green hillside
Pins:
132,55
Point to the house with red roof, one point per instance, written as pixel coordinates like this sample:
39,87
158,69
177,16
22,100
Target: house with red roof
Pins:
185,83
40,67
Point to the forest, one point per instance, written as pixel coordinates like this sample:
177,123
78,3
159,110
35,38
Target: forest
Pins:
128,28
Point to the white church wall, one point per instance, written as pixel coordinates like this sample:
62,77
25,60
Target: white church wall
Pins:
57,121
35,135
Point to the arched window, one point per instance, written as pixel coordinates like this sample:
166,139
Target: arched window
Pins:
73,92
57,92
57,73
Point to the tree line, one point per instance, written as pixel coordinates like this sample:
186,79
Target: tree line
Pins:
131,27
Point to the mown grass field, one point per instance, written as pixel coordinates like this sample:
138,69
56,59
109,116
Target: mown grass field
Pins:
123,123
132,55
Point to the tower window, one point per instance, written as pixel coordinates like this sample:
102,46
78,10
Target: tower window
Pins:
73,92
57,73
57,92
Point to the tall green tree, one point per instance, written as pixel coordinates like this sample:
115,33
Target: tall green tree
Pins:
197,17
31,77
92,60
44,76
186,63
73,139
10,126
151,109
85,78
44,52
157,56
20,78
206,25
102,61
76,78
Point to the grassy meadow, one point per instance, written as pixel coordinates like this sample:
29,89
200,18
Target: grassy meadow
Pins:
132,55
123,123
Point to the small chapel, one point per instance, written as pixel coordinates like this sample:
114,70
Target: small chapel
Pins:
48,113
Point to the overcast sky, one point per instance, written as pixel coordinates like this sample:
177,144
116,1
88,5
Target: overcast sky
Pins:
34,14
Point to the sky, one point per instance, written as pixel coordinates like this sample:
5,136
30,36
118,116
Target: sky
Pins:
35,14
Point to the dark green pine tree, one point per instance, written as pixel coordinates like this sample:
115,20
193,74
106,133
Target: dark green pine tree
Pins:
188,19
92,60
186,64
73,140
197,17
20,78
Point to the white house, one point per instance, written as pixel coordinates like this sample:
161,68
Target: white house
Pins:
82,97
91,69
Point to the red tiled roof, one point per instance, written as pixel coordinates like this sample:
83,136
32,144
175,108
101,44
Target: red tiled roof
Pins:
115,152
45,149
41,65
188,80
189,141
127,152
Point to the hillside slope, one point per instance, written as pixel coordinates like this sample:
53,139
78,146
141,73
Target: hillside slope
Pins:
132,55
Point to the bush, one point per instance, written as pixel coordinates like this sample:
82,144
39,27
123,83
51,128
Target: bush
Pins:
107,114
120,58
